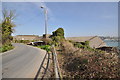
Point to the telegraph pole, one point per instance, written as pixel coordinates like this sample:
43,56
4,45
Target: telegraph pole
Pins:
45,15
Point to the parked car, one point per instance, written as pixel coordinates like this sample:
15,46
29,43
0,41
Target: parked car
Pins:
36,43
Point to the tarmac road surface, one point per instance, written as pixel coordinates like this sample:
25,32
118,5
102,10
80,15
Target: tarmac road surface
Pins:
22,62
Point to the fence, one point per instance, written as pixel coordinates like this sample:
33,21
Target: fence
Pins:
57,70
44,70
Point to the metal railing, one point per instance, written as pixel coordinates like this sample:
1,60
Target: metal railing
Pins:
43,67
44,71
57,70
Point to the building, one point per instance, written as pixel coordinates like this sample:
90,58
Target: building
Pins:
95,41
46,35
27,37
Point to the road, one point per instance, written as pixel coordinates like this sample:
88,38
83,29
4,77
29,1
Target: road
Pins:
22,62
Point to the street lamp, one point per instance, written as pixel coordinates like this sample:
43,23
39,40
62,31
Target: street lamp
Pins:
45,14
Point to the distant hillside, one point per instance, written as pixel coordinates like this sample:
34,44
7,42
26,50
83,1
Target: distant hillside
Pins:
109,38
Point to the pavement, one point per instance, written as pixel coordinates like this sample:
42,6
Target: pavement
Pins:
22,62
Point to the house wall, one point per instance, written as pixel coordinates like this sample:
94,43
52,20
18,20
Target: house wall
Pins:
26,38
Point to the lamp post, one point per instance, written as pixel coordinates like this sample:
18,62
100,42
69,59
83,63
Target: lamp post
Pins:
45,15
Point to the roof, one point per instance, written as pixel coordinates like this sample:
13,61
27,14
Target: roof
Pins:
95,41
29,35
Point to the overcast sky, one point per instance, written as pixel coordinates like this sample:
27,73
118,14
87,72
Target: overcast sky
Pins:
77,18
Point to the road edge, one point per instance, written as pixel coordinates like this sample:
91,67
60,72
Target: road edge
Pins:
7,51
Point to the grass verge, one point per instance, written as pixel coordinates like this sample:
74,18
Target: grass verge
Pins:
6,47
45,47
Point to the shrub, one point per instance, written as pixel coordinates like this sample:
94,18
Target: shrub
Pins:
90,65
82,44
59,32
57,36
87,43
6,47
78,45
47,41
76,64
67,47
45,47
21,41
55,43
7,26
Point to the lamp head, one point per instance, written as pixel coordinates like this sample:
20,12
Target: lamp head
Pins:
42,7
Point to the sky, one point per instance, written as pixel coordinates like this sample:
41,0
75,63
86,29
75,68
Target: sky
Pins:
77,18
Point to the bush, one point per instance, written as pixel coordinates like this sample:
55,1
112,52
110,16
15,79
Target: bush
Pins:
45,47
22,41
6,47
76,64
67,47
7,26
57,36
88,64
59,32
47,41
82,44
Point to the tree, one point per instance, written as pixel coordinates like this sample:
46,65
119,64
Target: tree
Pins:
7,26
58,36
59,32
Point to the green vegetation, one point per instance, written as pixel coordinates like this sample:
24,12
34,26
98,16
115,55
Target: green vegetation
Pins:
82,44
79,60
7,29
22,41
58,36
6,48
45,47
7,26
85,45
47,41
59,32
85,63
55,39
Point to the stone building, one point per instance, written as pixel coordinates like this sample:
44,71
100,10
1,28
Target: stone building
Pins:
27,37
